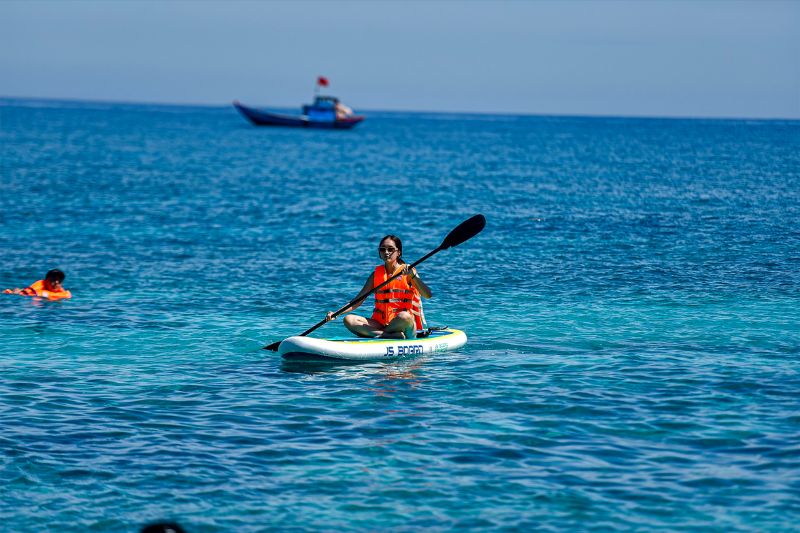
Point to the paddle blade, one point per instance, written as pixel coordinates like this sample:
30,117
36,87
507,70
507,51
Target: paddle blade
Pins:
272,347
464,232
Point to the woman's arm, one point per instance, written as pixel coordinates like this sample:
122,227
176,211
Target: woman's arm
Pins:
364,291
417,283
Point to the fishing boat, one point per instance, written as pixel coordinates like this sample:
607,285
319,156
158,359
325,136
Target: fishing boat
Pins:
344,349
325,112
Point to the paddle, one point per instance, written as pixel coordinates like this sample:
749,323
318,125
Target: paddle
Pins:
463,232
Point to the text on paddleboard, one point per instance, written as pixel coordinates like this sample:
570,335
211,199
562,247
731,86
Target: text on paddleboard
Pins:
414,349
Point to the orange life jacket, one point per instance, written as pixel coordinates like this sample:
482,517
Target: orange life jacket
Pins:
37,289
395,297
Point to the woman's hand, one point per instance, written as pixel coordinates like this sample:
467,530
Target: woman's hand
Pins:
329,316
410,272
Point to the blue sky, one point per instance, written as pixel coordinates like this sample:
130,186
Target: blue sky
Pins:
679,58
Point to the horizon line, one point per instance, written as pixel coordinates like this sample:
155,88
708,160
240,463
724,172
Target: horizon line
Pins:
413,111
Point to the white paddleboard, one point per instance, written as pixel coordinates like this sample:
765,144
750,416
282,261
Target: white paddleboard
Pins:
357,349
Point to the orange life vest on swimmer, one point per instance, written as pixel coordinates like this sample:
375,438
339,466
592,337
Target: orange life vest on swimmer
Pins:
397,296
37,289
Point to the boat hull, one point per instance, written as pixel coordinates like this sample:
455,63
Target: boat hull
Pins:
358,350
259,117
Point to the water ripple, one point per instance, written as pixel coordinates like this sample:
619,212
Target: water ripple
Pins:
631,306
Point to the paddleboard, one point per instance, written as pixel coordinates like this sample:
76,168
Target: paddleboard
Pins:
357,349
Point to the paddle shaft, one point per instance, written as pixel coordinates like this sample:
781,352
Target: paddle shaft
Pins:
362,298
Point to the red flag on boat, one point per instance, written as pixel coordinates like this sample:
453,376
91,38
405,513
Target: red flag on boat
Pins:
322,81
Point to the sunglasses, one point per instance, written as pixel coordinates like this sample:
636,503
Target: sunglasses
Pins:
387,250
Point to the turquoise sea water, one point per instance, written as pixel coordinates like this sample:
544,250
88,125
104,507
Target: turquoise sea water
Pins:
632,308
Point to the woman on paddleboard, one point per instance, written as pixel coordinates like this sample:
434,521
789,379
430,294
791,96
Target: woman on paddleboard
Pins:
398,305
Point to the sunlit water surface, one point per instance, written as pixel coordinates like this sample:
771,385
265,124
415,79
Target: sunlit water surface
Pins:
632,310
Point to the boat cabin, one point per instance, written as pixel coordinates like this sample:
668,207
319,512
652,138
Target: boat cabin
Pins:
326,109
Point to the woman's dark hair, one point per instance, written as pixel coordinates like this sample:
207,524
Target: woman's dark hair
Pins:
54,275
398,243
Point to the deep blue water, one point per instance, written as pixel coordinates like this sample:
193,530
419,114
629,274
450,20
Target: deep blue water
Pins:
633,309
